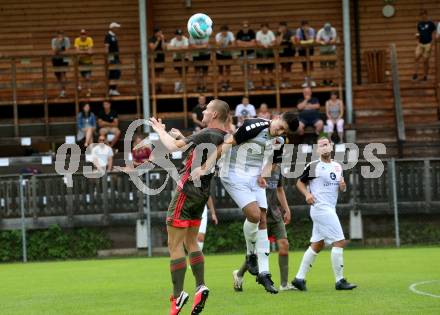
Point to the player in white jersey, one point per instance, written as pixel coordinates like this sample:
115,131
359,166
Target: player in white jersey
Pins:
324,180
242,179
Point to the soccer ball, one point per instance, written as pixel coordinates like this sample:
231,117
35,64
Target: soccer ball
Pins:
199,26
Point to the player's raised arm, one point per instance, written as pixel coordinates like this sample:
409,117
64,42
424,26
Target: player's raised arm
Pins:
168,141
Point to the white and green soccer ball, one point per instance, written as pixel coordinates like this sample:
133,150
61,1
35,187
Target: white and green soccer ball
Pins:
199,26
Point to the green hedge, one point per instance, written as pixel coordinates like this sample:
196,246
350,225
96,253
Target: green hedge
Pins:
53,243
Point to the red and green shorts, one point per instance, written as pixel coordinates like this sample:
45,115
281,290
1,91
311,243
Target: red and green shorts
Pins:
186,207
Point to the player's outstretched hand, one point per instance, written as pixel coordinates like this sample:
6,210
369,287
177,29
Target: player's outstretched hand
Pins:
196,174
156,124
287,217
214,218
342,185
176,134
310,199
262,182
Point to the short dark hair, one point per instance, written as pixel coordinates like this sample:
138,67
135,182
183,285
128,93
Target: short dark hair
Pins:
304,22
334,93
423,12
265,24
224,28
291,119
283,23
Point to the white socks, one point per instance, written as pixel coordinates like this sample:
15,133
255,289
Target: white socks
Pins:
307,262
250,235
263,250
200,245
338,262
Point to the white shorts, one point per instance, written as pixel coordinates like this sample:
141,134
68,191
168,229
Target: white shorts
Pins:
204,223
244,190
326,227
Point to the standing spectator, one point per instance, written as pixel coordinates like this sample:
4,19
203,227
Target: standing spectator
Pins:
305,35
327,37
102,155
86,125
141,154
224,39
202,55
197,114
108,123
157,45
284,38
244,111
263,111
179,42
112,46
84,46
245,39
60,45
425,30
266,39
334,109
309,115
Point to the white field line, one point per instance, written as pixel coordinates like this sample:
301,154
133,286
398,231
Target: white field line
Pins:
413,286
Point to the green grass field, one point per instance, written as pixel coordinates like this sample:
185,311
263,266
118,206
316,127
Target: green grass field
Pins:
142,286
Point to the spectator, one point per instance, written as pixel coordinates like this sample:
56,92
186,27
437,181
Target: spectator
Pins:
142,154
244,111
425,30
157,45
309,115
179,42
263,111
305,35
197,114
245,39
266,39
84,46
438,30
108,123
112,46
102,155
224,39
334,109
86,125
203,56
60,45
284,38
327,37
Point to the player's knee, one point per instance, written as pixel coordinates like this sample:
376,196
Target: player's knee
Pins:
283,247
341,243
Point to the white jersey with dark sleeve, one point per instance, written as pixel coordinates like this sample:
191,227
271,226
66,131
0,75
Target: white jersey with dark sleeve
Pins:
323,180
253,139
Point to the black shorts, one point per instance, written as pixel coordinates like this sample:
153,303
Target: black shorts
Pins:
309,118
287,53
59,62
202,58
160,58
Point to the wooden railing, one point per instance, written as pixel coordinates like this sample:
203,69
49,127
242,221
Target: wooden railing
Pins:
113,199
29,79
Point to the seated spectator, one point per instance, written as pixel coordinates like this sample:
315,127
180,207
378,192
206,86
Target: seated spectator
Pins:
334,109
246,38
266,39
112,46
244,111
305,35
326,37
263,111
84,47
60,45
142,154
102,155
197,114
224,39
425,32
108,123
179,42
157,45
309,115
284,38
202,55
86,125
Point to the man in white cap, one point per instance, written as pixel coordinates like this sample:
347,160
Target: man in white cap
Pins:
111,43
326,37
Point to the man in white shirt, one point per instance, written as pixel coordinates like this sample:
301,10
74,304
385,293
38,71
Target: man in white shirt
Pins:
320,183
224,39
244,111
179,42
102,155
266,39
326,37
